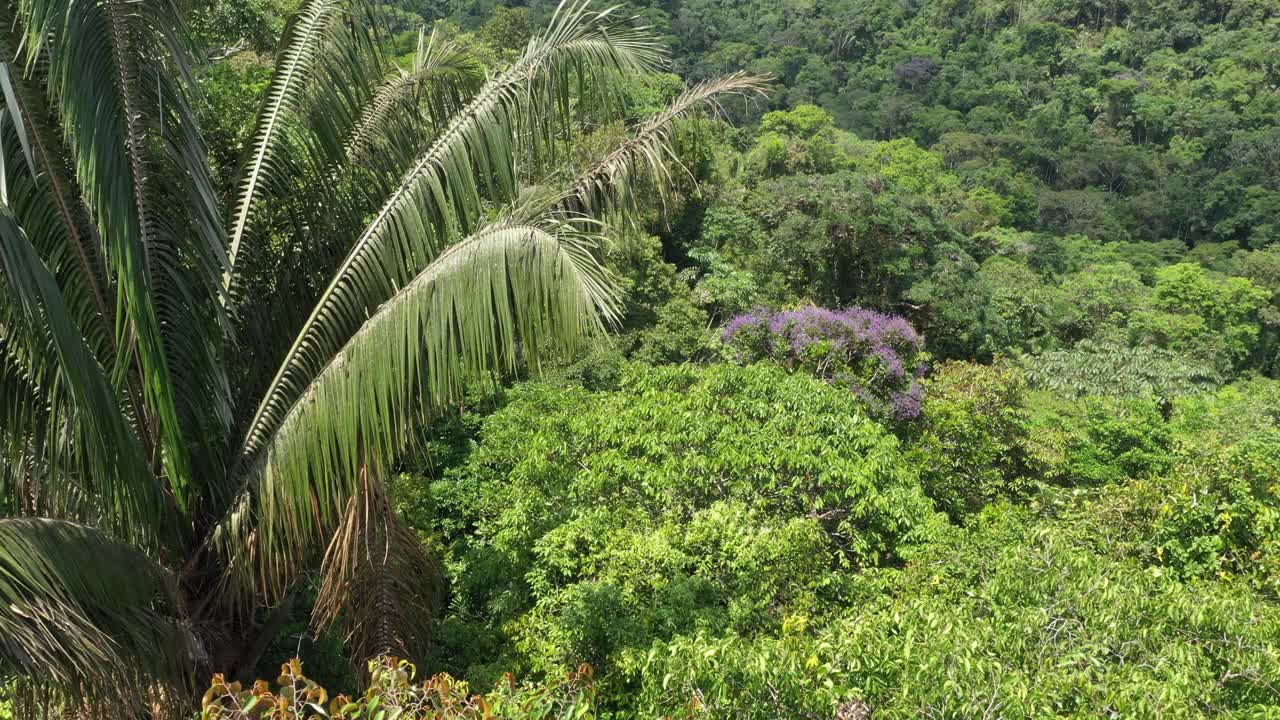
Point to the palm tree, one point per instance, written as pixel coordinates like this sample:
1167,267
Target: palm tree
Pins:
197,407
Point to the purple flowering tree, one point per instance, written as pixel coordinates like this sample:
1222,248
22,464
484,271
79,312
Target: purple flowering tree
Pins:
879,357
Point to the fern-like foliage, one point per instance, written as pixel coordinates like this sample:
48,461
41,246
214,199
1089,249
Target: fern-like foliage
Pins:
1107,370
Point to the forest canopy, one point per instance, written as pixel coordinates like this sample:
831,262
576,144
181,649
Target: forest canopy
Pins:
684,359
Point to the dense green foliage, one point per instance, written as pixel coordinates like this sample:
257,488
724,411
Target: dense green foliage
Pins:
941,382
588,525
203,387
1005,619
746,542
1129,120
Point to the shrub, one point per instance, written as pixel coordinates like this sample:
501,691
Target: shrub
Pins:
681,332
1230,415
1120,440
1215,514
1096,441
1204,504
392,693
1219,514
880,357
714,499
1013,619
972,445
1197,313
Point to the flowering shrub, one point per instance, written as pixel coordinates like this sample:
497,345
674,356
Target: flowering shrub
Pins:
880,357
393,693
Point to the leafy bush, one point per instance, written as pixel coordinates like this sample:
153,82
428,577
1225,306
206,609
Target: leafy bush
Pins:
1121,440
392,693
681,332
1231,414
1210,318
880,357
585,525
1012,619
1218,514
1197,496
972,445
1095,441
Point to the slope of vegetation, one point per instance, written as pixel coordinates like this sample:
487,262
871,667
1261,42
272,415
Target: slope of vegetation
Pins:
940,381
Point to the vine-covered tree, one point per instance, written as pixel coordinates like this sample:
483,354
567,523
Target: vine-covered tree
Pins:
199,397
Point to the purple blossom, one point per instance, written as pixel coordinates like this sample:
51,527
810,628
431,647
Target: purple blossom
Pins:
738,323
908,405
879,356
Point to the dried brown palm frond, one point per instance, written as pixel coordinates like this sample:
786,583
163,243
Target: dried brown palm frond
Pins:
378,584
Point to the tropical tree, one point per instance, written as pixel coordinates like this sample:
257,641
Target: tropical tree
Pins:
200,398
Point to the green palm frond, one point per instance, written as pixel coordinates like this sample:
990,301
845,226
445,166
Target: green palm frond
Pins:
323,69
39,210
304,36
507,292
108,463
644,160
412,104
87,619
26,434
608,184
119,290
573,68
13,108
118,73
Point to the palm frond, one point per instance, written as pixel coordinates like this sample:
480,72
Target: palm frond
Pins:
378,583
118,72
13,108
40,212
108,465
47,203
412,104
573,68
642,162
506,292
26,433
317,42
87,619
648,154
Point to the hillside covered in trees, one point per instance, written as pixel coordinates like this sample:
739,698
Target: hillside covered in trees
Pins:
702,359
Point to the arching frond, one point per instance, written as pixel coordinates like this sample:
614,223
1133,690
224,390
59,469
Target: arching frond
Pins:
44,197
644,161
609,182
572,68
118,74
411,104
87,619
38,208
108,465
316,40
26,433
506,292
